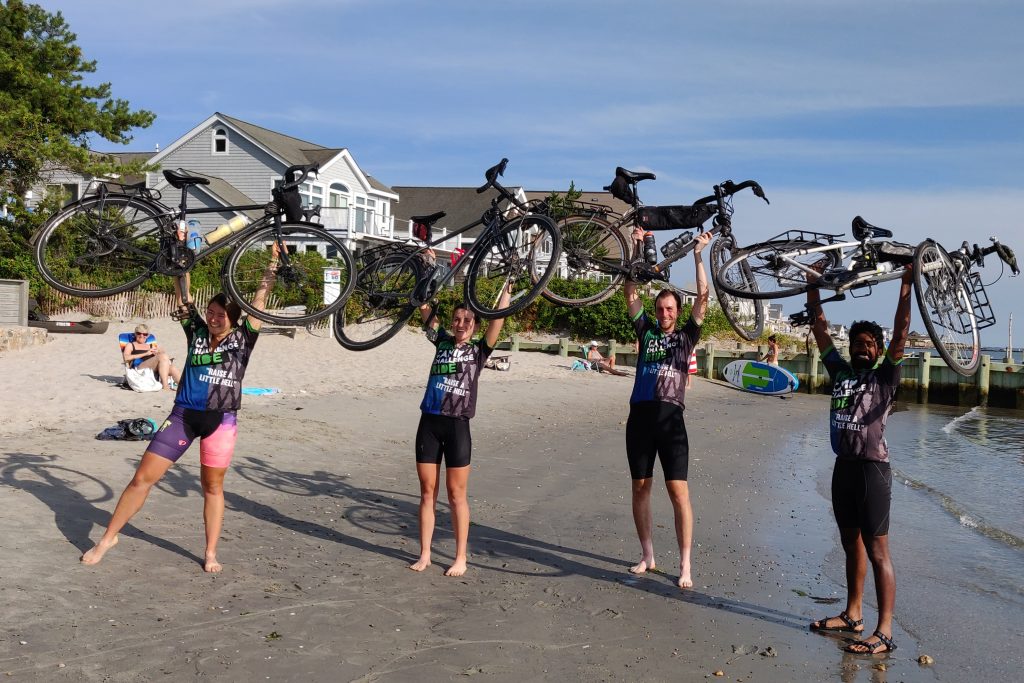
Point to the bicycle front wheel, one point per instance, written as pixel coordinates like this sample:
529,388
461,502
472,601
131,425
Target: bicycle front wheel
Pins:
774,269
946,308
99,246
313,280
745,316
379,305
521,255
595,259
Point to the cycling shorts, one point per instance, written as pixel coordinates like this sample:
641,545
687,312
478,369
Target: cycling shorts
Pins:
216,431
861,495
442,436
656,428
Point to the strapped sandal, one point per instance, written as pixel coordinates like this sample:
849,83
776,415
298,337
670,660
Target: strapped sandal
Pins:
872,648
849,624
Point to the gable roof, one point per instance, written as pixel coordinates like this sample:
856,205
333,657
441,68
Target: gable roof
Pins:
462,204
291,150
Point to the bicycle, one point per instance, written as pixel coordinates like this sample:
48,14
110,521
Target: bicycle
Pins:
520,246
950,296
112,241
597,251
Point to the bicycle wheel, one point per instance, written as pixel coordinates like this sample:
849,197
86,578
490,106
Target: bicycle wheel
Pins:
99,246
379,305
522,254
596,259
773,269
745,316
946,308
313,282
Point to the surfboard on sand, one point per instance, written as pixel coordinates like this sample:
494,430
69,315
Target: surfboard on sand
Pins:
760,378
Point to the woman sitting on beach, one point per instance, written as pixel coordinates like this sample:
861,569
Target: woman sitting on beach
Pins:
448,405
144,355
208,397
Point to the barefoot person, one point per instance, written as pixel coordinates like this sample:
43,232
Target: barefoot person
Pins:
208,397
862,393
448,405
148,355
655,426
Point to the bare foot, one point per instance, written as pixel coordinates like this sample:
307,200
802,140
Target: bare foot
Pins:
94,554
420,564
684,576
457,569
212,565
642,567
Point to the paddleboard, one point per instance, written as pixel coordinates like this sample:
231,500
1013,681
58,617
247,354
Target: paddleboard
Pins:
760,378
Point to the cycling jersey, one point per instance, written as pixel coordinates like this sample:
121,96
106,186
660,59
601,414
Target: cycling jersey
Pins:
664,360
451,387
860,406
212,378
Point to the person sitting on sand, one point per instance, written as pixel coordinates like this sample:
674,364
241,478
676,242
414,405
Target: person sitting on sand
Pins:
143,355
655,426
447,407
208,398
862,395
603,364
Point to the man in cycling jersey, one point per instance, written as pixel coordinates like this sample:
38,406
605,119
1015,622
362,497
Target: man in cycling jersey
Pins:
863,390
655,426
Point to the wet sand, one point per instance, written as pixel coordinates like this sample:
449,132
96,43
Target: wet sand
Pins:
321,525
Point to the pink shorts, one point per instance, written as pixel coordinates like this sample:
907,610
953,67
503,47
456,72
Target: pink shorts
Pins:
217,433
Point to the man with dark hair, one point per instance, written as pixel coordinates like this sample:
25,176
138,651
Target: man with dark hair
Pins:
862,393
655,426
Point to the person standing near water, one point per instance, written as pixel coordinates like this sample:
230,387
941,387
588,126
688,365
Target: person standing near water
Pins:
863,390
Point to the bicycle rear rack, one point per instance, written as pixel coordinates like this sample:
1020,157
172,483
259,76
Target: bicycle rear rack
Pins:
983,312
800,235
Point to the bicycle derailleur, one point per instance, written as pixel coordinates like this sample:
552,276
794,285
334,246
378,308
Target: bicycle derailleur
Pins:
641,272
176,259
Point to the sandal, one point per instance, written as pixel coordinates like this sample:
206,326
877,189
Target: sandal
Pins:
849,624
872,648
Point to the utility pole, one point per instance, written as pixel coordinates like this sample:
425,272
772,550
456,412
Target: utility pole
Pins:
1009,341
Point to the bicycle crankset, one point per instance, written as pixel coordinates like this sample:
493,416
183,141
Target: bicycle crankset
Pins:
641,272
176,260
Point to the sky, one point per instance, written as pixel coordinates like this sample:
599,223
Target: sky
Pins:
906,112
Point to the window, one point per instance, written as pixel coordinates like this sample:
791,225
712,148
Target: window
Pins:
364,214
337,197
68,190
312,195
311,249
220,141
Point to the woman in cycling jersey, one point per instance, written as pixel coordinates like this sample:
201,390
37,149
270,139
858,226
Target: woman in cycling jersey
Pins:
208,398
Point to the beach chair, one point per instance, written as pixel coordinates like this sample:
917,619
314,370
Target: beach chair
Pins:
136,380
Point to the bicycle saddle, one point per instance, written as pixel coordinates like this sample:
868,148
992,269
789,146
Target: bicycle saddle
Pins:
180,179
428,220
863,230
633,176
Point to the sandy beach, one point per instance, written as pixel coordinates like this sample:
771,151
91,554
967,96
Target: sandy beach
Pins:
321,525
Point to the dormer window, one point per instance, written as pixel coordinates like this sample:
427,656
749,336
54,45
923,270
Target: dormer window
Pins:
220,141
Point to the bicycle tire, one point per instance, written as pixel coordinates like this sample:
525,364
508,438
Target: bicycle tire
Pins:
298,296
590,246
946,308
379,305
99,246
746,319
513,253
756,273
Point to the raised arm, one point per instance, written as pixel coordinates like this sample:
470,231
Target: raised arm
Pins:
700,306
259,299
819,326
494,327
901,323
633,303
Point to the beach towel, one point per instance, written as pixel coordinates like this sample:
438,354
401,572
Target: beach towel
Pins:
141,380
259,391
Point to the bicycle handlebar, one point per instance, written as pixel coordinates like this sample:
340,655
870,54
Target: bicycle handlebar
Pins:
728,188
304,171
1004,252
492,175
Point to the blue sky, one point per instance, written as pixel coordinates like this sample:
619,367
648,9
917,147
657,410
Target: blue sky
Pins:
908,112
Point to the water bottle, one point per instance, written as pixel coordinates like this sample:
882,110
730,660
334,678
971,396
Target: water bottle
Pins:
232,226
675,244
194,240
650,248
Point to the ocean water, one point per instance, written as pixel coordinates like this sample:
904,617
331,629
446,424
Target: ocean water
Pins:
956,534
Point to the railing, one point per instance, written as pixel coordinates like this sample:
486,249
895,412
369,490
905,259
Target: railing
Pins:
357,221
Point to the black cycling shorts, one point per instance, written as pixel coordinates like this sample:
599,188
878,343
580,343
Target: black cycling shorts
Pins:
657,428
440,435
861,494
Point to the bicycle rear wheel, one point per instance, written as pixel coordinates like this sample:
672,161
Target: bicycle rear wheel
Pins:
99,246
773,269
596,257
379,306
312,282
745,316
946,308
521,254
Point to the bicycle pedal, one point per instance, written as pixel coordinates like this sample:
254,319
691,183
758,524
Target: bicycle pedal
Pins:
800,319
183,312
